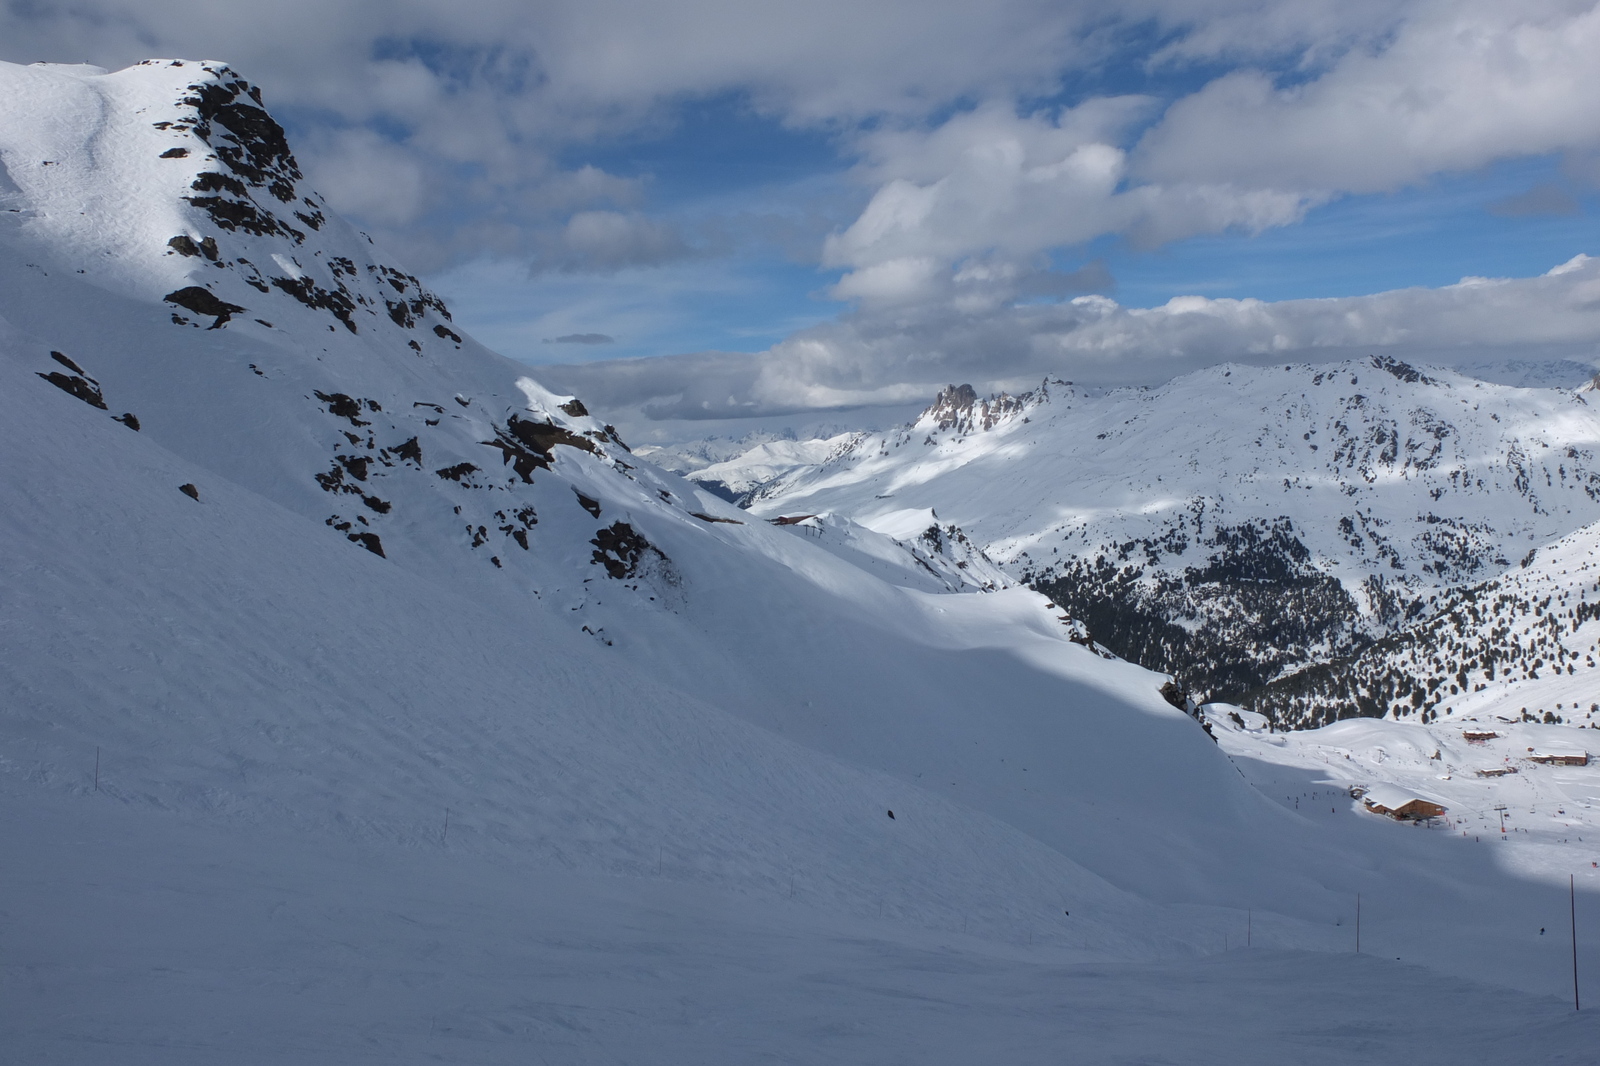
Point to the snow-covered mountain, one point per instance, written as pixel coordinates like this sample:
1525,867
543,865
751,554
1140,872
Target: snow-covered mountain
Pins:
1238,522
361,697
1519,647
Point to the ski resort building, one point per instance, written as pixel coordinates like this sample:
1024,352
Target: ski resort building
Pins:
1399,804
1562,757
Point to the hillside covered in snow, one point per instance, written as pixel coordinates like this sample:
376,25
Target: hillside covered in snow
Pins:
360,698
1240,522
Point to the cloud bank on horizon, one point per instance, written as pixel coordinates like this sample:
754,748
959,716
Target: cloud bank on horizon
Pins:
863,361
974,160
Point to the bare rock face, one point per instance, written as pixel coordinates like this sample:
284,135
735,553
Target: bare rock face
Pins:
958,408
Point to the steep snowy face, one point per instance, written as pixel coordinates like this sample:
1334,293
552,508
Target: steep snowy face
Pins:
164,257
300,395
170,180
1237,522
1521,647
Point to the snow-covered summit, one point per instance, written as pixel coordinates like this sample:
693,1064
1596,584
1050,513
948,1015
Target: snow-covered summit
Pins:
1210,509
170,180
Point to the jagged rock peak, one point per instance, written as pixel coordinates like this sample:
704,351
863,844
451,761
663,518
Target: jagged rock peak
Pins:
958,407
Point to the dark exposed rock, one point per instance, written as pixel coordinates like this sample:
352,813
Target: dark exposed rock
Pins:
575,408
342,406
958,407
527,445
368,541
190,491
410,451
129,419
83,389
1174,694
588,503
185,245
338,301
69,364
457,472
233,215
204,302
175,153
253,145
620,549
443,333
211,181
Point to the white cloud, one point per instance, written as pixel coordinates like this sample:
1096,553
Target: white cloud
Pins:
894,358
1460,84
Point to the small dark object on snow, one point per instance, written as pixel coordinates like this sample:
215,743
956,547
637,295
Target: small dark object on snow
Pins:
368,541
83,389
575,408
129,419
891,814
175,153
204,302
68,363
189,491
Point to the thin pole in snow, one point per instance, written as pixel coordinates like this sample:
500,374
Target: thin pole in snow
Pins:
1358,923
1572,904
445,839
1249,926
97,768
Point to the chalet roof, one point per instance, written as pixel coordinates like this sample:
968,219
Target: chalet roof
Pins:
1392,798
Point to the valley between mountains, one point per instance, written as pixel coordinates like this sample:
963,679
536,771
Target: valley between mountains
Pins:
363,699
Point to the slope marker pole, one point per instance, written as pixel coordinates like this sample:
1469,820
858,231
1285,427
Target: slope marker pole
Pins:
445,839
97,768
1249,926
1572,905
1358,923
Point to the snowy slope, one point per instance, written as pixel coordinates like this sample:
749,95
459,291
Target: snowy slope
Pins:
366,613
453,467
1473,768
1518,647
1237,522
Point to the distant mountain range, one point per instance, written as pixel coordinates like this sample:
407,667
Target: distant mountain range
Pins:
1237,524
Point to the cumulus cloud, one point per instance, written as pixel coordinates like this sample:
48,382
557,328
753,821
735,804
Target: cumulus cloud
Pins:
1447,85
871,359
1461,83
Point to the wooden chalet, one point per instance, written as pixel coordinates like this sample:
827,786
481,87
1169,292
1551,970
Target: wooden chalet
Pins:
1478,736
1399,804
1561,758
